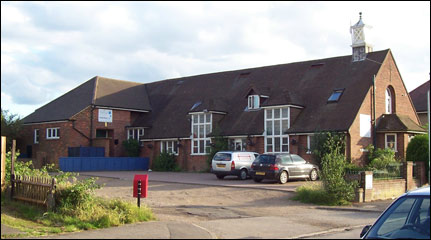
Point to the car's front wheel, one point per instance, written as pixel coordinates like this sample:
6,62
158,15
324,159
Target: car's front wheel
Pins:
313,175
283,178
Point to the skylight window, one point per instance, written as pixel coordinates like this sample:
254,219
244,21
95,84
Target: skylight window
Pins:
335,96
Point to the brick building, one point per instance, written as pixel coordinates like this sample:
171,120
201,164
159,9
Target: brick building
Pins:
420,99
266,109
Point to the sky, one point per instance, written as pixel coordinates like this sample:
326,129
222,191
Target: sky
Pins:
49,48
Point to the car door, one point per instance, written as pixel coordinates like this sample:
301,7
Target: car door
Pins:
286,163
300,166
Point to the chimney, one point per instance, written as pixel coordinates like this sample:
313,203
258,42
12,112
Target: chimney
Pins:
360,47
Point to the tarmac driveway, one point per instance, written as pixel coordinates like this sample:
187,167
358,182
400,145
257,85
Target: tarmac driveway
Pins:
208,179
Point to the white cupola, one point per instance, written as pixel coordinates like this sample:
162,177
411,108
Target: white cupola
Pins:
360,47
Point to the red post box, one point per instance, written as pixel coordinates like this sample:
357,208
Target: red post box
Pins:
144,185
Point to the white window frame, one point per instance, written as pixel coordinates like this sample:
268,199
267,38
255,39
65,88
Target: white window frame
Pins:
395,139
52,133
270,139
253,102
36,136
169,147
388,101
199,140
135,133
309,144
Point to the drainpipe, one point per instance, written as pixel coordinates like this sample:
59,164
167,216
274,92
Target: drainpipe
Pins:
91,125
374,113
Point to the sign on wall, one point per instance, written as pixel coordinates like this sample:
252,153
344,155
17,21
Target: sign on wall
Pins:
105,115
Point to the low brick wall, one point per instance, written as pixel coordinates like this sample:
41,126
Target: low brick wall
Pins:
388,189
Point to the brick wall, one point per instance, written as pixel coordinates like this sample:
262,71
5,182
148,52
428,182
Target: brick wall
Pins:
388,76
388,189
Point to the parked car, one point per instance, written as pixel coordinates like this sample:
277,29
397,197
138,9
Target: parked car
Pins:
232,163
406,217
282,167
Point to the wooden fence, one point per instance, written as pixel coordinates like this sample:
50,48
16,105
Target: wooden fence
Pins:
38,190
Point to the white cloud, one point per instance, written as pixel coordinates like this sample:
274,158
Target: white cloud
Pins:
48,48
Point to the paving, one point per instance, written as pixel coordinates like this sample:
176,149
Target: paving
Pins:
223,228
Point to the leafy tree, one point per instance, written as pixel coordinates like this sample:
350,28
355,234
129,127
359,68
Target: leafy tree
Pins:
326,142
219,143
166,162
10,127
132,147
417,150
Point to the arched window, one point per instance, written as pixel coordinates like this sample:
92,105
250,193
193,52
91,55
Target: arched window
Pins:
389,101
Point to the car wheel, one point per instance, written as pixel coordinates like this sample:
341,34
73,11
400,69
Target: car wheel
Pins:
284,177
220,176
313,175
257,179
243,174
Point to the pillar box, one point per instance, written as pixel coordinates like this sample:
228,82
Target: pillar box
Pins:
144,185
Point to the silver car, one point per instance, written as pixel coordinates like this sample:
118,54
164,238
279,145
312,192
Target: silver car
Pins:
232,163
406,217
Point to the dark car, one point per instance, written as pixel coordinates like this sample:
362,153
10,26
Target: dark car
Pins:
282,167
407,217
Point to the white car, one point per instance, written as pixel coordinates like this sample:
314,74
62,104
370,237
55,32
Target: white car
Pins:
232,163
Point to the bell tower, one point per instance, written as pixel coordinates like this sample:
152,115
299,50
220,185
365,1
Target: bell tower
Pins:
360,48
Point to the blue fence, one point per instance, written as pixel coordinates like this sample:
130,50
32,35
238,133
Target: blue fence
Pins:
82,164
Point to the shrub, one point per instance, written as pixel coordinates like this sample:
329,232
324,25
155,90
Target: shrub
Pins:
380,159
165,162
417,150
132,147
333,171
219,144
324,143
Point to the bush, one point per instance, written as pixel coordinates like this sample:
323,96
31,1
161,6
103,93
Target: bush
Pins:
165,162
219,144
324,143
333,171
132,147
316,194
417,150
380,159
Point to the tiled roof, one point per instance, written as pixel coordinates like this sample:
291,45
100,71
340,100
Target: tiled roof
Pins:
307,84
419,97
397,123
99,91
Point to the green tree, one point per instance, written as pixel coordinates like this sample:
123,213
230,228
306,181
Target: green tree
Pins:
10,127
417,150
219,143
326,142
132,147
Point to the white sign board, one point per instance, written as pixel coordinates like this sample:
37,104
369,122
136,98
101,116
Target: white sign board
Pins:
369,181
105,115
365,125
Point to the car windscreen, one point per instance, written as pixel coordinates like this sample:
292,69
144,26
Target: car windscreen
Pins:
266,159
222,157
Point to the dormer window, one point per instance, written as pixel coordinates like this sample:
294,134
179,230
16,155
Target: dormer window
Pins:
253,102
335,96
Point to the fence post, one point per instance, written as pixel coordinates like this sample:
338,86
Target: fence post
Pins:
367,184
50,199
408,175
12,169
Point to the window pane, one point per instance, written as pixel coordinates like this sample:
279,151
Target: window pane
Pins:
285,140
269,148
207,129
195,131
269,113
277,144
285,148
277,127
195,146
276,113
201,146
195,118
256,102
285,126
269,128
284,113
201,118
208,118
201,131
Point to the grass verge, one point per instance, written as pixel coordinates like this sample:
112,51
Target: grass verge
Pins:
315,194
33,221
